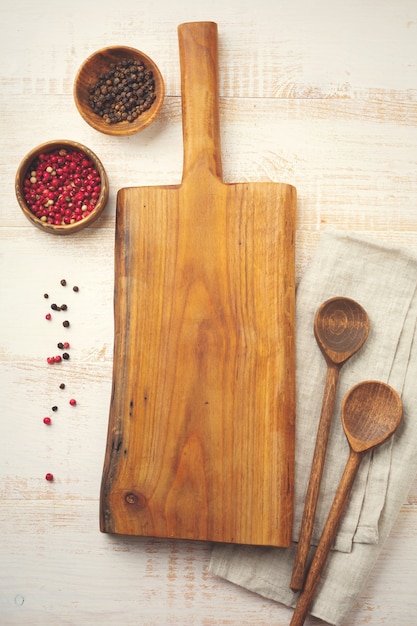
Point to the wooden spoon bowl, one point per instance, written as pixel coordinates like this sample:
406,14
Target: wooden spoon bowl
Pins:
97,65
341,327
371,412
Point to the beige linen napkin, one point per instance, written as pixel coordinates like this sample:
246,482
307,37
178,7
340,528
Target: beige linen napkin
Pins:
383,279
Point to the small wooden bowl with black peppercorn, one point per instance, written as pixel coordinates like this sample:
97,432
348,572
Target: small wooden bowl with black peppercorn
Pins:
61,186
119,90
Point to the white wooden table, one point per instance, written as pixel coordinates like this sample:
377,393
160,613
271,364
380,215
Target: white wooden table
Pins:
322,95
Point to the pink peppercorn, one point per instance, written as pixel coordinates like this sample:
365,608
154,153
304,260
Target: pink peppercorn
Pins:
47,421
61,186
49,477
48,316
73,402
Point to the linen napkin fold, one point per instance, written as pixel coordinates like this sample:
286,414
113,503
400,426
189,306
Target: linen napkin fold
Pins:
383,279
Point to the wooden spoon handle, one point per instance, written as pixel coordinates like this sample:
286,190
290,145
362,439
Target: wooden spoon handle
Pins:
310,504
327,538
200,99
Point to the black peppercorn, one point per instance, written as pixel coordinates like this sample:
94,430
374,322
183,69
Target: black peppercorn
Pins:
75,288
64,307
45,295
62,386
66,323
55,408
126,91
66,356
60,345
63,282
55,307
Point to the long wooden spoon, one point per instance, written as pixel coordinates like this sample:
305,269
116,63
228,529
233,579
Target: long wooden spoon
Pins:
371,412
341,327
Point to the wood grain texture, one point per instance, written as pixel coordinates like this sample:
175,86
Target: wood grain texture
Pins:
321,95
202,418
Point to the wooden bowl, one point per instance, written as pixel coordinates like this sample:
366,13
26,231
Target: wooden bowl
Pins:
81,220
98,65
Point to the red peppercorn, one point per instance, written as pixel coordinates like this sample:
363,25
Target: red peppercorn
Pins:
66,345
48,316
59,184
73,402
49,477
47,420
57,359
50,360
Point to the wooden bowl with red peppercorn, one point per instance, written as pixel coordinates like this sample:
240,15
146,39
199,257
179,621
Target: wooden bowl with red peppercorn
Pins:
61,187
119,90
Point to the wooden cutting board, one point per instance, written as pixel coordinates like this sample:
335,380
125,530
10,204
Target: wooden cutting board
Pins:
201,425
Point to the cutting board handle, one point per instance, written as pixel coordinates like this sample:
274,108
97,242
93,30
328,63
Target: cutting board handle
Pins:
200,100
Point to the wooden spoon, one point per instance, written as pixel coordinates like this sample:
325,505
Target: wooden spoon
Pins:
371,412
341,327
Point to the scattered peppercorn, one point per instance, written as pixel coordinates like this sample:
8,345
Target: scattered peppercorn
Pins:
62,187
45,295
55,408
63,282
47,421
54,359
62,386
60,345
55,307
66,345
48,316
49,477
124,92
66,323
73,402
64,307
75,288
66,356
